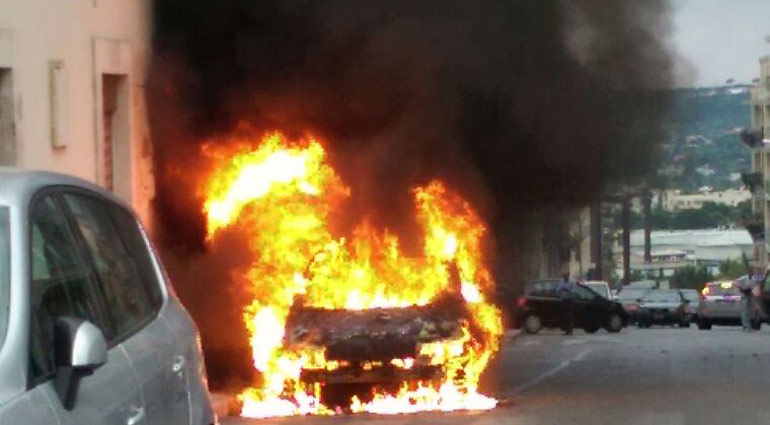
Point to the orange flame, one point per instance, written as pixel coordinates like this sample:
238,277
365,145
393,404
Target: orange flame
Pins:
280,194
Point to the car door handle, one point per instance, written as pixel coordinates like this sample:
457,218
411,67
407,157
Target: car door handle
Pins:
137,416
179,363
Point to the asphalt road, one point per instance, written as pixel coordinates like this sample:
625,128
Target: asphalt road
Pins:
659,376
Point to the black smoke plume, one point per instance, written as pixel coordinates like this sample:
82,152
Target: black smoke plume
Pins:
518,104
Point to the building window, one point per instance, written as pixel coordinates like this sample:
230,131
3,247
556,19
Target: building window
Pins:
7,122
115,149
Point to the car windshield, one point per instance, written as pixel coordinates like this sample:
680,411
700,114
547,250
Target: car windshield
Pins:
690,295
599,288
662,296
631,294
721,289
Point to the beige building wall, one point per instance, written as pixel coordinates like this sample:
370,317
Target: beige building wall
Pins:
73,74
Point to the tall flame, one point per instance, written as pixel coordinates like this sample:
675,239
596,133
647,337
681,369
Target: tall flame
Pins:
280,194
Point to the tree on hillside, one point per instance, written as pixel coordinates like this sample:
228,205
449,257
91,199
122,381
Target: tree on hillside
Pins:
690,278
711,215
732,269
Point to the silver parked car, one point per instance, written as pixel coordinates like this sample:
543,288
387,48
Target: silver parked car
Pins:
692,297
90,332
720,304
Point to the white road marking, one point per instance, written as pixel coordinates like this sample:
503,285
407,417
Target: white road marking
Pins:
573,341
548,374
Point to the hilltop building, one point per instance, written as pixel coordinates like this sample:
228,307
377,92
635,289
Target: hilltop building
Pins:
674,200
672,250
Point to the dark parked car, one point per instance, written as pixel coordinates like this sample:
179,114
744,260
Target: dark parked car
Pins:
662,307
544,306
630,298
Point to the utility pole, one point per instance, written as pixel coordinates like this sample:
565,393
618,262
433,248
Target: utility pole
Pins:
647,206
596,241
626,219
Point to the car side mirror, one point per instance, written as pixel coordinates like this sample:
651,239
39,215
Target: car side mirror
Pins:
79,349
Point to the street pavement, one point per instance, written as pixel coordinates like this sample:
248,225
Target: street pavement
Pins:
659,376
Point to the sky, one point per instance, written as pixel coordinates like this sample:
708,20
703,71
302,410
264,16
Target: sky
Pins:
721,39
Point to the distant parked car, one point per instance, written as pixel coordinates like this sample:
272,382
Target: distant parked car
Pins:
692,298
90,330
543,306
600,287
662,307
720,304
630,298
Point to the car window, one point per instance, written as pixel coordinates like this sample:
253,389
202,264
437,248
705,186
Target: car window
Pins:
60,282
631,294
662,296
118,274
5,271
691,295
133,237
599,289
584,293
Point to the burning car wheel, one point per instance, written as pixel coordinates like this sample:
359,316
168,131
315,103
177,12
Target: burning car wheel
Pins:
533,324
614,323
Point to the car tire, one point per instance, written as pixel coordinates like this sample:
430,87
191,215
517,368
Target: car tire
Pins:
704,325
533,324
614,323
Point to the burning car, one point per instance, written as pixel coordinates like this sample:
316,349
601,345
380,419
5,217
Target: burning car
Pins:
381,347
350,323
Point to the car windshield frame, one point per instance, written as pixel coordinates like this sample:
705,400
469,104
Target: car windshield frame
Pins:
5,271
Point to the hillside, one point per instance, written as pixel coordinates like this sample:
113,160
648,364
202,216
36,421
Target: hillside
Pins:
702,146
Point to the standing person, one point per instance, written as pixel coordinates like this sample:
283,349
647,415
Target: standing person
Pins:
566,290
745,284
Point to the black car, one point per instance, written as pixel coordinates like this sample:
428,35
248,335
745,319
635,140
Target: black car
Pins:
544,306
662,307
